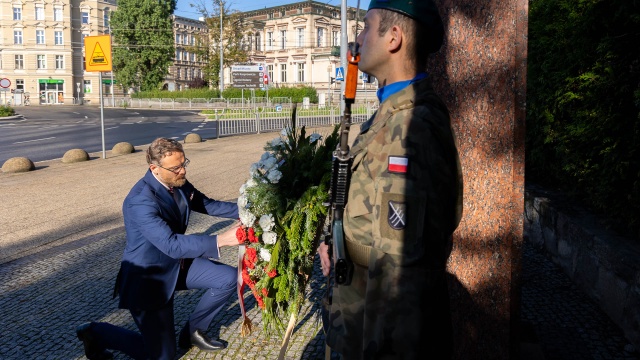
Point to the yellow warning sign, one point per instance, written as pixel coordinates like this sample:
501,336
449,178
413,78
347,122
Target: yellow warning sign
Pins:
97,53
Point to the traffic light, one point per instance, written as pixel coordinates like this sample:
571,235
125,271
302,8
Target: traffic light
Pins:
333,80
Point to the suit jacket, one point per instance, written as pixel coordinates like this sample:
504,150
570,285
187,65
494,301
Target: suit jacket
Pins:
156,242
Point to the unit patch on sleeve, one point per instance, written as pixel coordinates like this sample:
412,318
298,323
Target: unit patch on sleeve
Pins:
397,216
398,164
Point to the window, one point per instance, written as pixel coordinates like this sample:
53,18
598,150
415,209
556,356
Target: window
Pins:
40,37
58,38
19,62
185,39
178,74
20,84
105,18
87,86
300,37
300,72
185,56
283,73
258,42
320,37
335,38
85,17
57,14
39,13
270,72
59,62
335,15
17,13
193,57
17,37
283,39
178,38
41,62
269,41
193,40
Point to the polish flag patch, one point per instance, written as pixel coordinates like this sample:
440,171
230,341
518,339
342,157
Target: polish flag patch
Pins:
398,164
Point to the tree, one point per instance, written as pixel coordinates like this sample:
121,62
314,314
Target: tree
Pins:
143,48
233,35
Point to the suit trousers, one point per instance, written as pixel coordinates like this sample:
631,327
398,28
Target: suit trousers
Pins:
156,339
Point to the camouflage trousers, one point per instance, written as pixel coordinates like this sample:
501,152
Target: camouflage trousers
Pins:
390,312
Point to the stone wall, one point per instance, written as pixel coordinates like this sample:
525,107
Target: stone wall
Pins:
604,265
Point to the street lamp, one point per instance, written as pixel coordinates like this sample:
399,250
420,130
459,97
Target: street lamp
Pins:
221,54
329,83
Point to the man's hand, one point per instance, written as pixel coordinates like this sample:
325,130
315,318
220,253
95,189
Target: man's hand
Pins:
325,261
228,238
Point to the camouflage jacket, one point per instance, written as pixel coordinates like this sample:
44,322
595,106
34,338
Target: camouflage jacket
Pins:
404,202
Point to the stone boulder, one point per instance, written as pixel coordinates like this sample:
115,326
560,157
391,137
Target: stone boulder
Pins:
74,156
18,164
192,138
122,148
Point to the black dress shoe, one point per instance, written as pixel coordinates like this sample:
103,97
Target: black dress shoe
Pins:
91,349
202,342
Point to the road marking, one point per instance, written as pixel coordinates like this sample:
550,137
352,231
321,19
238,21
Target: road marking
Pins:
115,127
22,142
77,113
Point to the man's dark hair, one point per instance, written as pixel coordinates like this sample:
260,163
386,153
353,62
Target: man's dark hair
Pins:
419,42
160,148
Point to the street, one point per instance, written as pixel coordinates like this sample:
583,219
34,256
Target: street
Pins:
47,132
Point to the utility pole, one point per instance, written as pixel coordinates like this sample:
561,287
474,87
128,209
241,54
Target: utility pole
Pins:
221,53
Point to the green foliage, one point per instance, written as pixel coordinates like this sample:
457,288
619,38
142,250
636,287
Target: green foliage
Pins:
183,94
295,93
143,47
6,110
295,200
583,104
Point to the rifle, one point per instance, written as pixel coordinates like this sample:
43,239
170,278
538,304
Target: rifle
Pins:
341,175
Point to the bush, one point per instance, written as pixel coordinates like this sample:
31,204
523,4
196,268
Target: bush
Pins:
6,110
583,102
295,93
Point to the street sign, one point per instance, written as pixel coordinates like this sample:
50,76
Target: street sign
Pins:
5,83
97,53
249,76
339,74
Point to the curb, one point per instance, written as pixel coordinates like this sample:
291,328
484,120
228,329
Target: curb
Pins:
14,117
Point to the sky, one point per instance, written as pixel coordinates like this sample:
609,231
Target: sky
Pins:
185,10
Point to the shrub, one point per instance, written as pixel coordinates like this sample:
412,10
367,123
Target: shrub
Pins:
583,102
6,110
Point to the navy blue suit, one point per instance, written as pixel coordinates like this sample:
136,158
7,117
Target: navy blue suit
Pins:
159,259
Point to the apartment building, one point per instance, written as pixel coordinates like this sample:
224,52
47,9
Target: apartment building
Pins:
299,43
187,66
42,49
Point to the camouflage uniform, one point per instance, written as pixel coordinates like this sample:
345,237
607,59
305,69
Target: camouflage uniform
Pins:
398,224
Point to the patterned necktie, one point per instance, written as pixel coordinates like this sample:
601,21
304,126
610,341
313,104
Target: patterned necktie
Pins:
179,201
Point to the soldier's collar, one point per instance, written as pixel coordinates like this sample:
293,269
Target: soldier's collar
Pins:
384,92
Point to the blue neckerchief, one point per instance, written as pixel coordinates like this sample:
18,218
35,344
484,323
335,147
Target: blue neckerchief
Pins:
384,92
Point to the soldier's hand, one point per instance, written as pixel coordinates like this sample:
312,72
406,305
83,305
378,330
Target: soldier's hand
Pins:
325,261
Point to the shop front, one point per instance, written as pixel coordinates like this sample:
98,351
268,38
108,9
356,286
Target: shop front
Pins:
51,91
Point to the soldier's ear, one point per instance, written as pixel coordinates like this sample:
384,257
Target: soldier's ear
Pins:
395,37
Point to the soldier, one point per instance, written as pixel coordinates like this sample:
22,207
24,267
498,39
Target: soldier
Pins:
404,201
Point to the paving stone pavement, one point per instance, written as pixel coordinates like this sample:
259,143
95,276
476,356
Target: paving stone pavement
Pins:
49,290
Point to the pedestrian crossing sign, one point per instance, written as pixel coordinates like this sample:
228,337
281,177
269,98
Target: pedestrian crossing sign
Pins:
97,53
339,74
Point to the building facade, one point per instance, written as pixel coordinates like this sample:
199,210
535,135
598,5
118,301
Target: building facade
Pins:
187,66
299,43
42,49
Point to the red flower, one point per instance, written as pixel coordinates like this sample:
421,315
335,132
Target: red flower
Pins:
260,302
246,278
265,292
250,258
252,236
272,273
241,235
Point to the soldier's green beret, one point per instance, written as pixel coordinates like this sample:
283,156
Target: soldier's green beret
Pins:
423,11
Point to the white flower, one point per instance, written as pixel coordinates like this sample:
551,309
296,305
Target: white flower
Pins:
274,176
265,254
314,137
242,201
246,217
269,163
277,142
266,222
269,237
251,183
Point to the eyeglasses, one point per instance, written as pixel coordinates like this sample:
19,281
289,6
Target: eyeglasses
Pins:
176,169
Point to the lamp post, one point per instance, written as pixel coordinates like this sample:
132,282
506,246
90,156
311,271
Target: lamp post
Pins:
221,53
329,84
